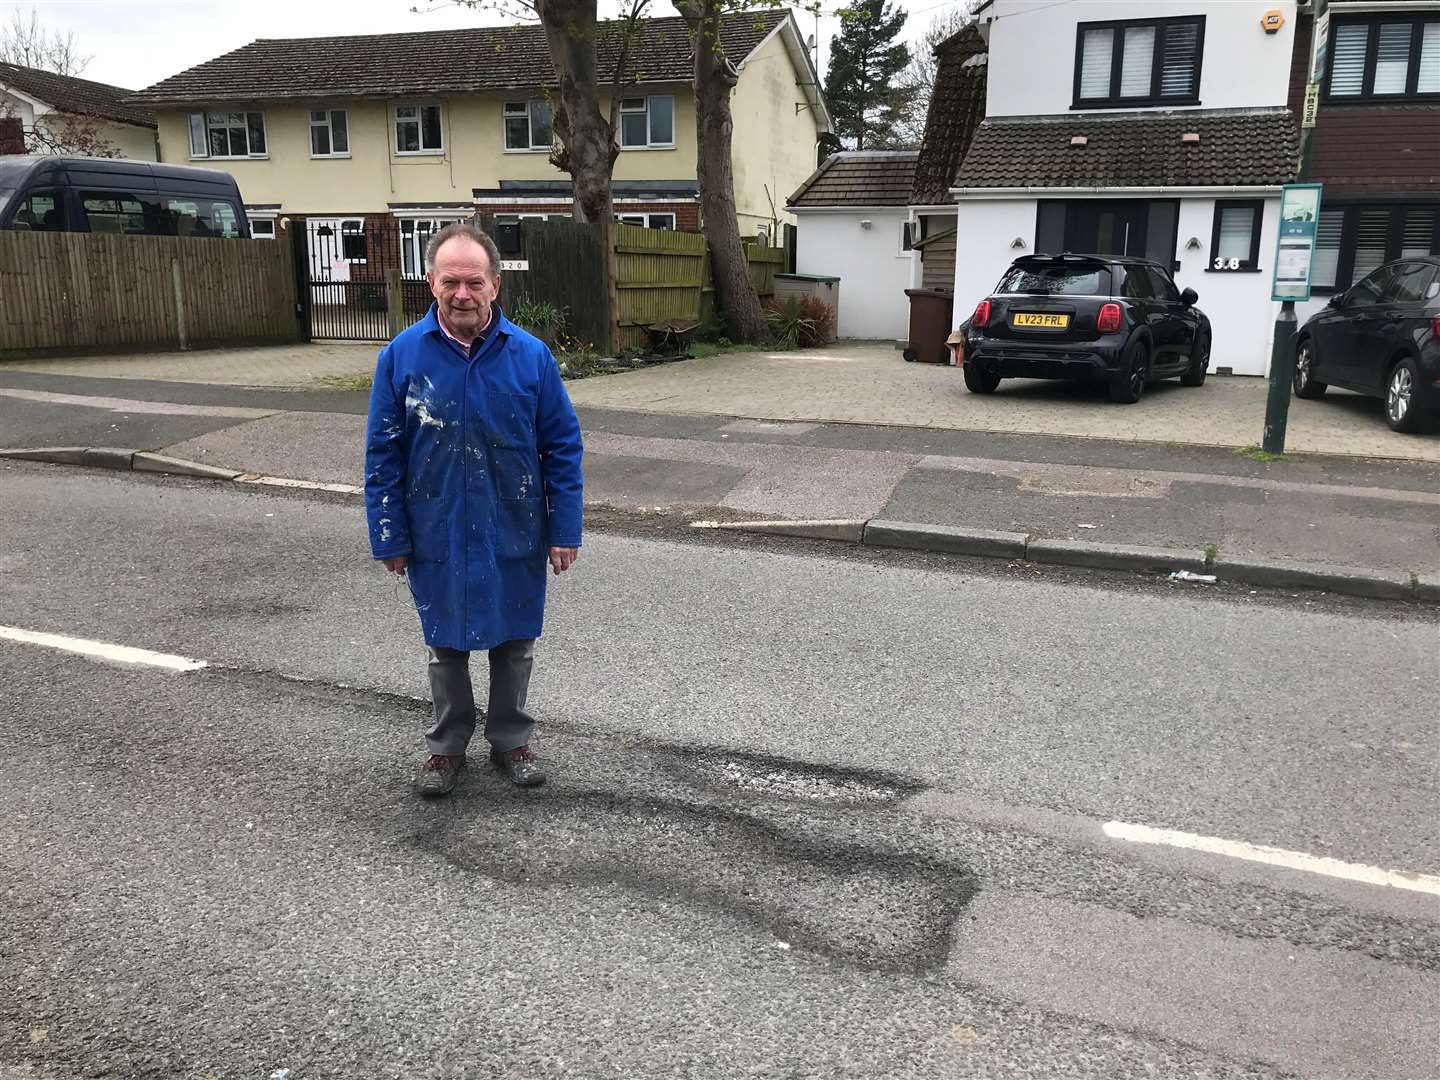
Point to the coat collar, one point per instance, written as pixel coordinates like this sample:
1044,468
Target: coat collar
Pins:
430,324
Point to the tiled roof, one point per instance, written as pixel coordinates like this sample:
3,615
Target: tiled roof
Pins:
1246,148
957,106
860,178
77,96
438,63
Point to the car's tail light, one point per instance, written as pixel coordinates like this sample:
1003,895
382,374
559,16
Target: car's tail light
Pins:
1108,321
1435,327
981,318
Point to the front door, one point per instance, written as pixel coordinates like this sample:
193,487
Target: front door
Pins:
1107,228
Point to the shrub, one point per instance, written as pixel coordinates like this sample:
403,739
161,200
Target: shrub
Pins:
540,317
822,322
786,322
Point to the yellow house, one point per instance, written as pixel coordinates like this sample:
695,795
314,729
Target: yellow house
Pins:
378,140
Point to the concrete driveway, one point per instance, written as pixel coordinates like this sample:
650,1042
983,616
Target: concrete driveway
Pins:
871,384
862,383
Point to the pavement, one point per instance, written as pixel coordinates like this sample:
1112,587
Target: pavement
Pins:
1372,519
816,811
850,383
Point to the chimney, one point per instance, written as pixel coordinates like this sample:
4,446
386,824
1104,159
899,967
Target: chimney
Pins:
12,135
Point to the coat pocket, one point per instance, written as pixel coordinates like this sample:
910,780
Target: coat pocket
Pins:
520,532
429,530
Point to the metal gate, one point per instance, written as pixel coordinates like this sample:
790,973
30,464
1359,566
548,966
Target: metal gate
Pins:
347,269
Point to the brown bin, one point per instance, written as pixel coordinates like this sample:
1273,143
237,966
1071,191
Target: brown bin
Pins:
930,314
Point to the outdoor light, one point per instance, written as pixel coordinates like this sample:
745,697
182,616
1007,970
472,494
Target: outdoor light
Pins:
865,224
1018,242
1193,244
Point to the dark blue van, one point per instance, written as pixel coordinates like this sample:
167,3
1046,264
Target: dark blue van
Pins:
100,195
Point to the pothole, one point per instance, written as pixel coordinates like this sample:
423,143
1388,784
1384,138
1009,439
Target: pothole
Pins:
800,783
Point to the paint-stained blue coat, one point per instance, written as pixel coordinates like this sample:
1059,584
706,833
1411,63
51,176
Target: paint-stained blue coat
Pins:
472,468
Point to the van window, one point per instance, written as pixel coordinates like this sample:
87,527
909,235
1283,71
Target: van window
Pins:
116,212
42,211
202,217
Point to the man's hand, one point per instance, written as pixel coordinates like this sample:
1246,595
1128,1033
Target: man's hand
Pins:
561,559
397,564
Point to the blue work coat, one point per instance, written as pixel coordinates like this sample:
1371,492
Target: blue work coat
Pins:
472,468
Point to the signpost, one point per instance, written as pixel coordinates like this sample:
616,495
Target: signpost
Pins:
1295,248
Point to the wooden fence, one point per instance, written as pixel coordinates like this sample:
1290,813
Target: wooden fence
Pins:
88,292
661,275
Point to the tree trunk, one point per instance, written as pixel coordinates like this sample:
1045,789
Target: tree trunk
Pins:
715,79
588,149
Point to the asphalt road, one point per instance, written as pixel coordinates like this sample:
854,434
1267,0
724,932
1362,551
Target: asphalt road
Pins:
811,815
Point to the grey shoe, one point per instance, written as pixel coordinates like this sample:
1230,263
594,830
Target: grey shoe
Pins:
519,765
440,774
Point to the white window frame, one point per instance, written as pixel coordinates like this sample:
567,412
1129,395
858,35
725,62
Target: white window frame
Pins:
410,240
649,143
419,121
514,110
329,125
270,221
206,124
646,220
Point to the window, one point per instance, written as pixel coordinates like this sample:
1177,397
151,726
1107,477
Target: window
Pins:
1235,237
203,217
115,212
1040,280
329,133
1384,56
1413,284
1353,241
262,228
415,234
649,221
417,130
529,125
647,121
43,211
1143,62
227,135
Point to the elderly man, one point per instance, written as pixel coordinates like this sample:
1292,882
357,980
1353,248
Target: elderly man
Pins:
472,480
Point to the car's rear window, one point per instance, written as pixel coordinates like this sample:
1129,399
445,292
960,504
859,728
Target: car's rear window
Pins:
1056,281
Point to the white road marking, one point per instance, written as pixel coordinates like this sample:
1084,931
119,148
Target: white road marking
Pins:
145,408
1293,860
307,485
123,654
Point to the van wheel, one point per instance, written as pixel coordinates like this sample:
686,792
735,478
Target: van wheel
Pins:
1306,385
980,382
1199,367
1128,385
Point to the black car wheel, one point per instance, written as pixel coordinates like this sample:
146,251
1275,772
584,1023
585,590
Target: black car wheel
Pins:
980,382
1127,386
1199,367
1400,409
1306,385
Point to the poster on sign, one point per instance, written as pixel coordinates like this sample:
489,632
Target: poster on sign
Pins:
340,270
1295,246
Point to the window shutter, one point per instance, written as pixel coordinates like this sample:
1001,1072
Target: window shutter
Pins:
1371,235
1326,263
1429,80
1177,71
1095,61
1419,233
1392,62
1236,225
1137,62
1347,77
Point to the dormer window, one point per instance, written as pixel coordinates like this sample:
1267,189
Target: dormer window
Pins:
1138,62
1383,58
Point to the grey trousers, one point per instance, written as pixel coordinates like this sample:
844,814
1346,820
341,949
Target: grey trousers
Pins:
507,724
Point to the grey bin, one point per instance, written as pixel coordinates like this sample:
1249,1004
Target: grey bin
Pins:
802,285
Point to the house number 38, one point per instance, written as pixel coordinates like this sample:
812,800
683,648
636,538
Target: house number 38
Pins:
1227,264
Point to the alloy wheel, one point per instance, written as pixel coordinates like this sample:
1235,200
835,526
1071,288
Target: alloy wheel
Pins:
1397,399
1304,362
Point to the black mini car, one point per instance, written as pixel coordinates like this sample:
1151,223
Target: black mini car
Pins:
1380,338
1087,317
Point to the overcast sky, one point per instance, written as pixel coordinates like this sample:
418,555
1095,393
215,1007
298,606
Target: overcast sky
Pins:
139,42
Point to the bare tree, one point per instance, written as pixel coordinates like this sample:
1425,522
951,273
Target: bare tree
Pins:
25,42
69,134
587,148
919,78
715,81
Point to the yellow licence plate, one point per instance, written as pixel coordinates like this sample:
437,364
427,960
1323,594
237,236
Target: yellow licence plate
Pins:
1040,321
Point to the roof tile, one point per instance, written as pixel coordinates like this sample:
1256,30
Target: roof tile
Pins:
860,178
80,97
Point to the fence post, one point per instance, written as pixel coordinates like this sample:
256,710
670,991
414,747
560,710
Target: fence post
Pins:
180,326
394,302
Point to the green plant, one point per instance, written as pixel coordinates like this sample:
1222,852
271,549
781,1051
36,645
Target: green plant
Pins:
822,322
578,359
787,323
1254,453
540,316
346,382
